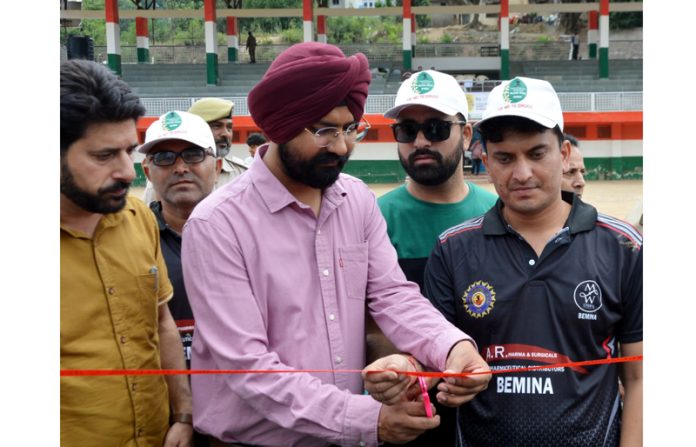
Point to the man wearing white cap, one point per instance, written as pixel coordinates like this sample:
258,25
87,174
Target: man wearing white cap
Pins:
181,164
217,113
431,131
542,279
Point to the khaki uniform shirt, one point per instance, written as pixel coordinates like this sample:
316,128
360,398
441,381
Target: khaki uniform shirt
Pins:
232,167
111,287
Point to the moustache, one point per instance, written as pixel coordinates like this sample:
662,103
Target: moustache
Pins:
424,152
186,176
222,143
114,187
329,157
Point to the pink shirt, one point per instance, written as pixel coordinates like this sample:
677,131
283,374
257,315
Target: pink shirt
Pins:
274,287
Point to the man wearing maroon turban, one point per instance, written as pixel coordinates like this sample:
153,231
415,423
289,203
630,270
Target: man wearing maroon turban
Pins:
280,267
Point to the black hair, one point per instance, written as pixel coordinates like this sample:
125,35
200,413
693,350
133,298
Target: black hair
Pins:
255,139
572,139
91,94
495,129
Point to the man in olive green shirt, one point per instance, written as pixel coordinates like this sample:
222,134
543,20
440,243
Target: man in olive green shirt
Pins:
114,284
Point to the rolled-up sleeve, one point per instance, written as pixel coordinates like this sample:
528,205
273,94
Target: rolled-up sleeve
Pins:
405,316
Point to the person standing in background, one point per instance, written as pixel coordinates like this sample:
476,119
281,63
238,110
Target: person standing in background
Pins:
251,47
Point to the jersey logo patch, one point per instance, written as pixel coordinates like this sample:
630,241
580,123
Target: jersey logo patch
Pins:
479,299
588,296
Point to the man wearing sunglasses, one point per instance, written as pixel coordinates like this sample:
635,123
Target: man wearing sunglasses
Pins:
431,131
543,279
180,163
217,112
282,265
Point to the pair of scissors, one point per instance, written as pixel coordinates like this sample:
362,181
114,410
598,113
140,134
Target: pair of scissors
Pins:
426,397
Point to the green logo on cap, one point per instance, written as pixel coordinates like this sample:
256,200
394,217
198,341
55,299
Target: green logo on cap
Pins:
515,91
423,83
171,121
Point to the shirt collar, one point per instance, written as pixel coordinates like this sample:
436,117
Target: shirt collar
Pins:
107,220
582,217
275,195
156,208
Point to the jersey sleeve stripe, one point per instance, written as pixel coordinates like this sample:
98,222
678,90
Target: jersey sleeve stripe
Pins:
621,227
468,225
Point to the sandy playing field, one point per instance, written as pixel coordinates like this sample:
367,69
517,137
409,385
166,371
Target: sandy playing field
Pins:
618,198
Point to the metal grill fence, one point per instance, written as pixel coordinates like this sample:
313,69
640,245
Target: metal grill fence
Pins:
570,102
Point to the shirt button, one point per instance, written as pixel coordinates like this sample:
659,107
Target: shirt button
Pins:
325,272
318,231
532,262
123,338
361,444
133,386
339,359
140,432
332,317
111,291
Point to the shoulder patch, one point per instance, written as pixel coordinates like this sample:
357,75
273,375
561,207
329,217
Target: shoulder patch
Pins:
468,225
621,227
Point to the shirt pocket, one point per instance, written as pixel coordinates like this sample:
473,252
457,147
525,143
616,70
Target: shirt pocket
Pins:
353,262
147,294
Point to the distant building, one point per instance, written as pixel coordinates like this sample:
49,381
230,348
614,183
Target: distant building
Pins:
491,19
352,3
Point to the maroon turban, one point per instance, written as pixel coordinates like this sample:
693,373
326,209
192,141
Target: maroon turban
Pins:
305,83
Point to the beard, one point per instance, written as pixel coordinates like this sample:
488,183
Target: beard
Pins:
103,202
312,172
222,147
433,175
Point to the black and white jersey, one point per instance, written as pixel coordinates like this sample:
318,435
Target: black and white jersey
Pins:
575,302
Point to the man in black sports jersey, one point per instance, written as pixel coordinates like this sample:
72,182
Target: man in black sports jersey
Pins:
542,279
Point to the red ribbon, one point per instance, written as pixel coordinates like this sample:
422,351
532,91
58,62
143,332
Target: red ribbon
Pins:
174,372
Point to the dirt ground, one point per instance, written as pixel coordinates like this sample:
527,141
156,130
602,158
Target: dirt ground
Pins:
618,198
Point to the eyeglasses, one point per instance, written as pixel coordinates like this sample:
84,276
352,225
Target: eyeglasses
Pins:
191,155
433,129
327,136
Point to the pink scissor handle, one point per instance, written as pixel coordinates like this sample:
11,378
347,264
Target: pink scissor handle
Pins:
426,397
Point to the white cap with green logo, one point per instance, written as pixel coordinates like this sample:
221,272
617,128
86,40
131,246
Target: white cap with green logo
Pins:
178,125
534,99
433,89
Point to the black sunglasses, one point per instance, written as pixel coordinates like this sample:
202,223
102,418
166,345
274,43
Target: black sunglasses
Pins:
433,129
191,155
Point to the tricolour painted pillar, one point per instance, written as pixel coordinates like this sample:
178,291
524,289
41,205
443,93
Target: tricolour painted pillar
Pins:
504,39
321,29
113,36
211,57
413,35
604,39
408,56
592,35
308,20
142,37
232,40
